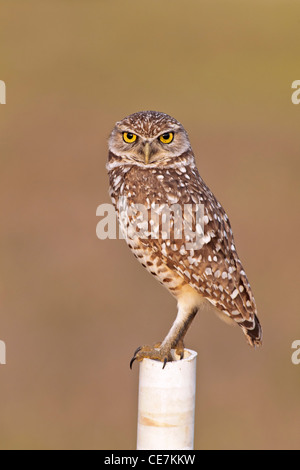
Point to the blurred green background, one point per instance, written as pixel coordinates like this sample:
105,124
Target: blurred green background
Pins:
74,308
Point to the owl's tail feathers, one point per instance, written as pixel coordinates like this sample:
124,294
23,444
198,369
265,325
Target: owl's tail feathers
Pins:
252,331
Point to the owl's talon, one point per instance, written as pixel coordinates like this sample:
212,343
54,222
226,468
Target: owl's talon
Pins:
132,361
135,355
137,350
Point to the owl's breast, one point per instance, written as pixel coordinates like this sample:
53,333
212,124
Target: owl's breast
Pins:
140,197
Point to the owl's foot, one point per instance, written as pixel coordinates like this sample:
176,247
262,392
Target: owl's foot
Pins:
155,352
158,353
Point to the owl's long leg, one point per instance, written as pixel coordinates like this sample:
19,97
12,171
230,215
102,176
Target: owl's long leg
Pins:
174,339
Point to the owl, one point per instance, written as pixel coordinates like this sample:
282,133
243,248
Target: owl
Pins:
152,170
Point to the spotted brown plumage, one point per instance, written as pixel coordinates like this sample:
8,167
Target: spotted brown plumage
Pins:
161,177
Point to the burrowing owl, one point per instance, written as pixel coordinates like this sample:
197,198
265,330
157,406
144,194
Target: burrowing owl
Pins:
151,165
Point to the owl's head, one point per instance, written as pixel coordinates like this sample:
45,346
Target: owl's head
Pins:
148,138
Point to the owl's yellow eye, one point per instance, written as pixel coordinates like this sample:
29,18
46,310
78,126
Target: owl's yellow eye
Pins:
129,138
167,138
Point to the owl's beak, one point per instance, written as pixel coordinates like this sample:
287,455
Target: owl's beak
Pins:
147,152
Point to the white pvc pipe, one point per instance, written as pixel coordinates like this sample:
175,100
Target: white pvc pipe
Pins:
166,407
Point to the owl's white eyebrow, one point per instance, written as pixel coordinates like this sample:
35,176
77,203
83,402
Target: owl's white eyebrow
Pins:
167,132
129,131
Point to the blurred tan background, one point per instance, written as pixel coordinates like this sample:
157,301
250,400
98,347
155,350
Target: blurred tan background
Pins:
74,308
